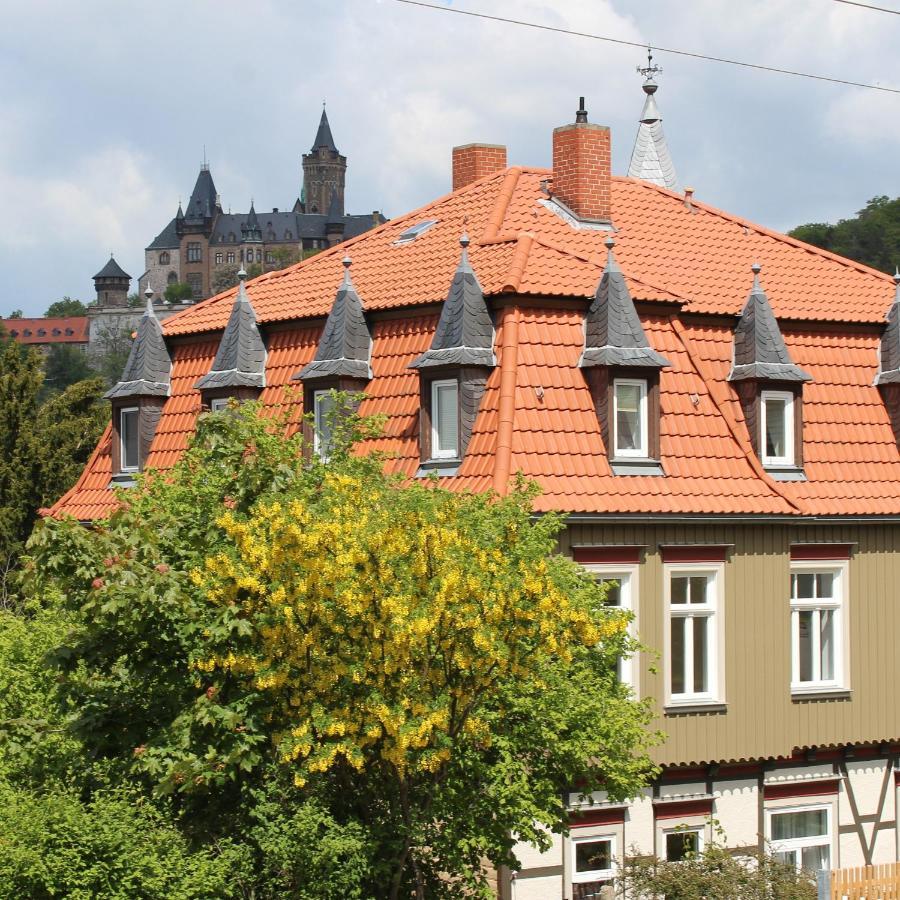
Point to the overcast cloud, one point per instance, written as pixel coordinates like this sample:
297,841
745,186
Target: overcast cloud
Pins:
106,108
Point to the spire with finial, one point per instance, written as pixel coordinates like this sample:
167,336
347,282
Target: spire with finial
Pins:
650,159
345,348
613,334
759,350
465,333
889,348
148,370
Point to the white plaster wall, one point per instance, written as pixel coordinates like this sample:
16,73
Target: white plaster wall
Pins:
736,809
639,826
793,773
536,888
531,858
680,790
865,780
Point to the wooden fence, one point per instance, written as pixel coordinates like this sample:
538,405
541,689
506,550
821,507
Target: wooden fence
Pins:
866,883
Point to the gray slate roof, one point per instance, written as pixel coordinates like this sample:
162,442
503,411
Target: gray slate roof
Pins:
759,350
613,334
465,333
889,348
112,270
300,225
345,348
241,358
168,238
323,136
148,371
650,159
203,198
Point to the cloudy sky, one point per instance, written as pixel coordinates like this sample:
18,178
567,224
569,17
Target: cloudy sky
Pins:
106,109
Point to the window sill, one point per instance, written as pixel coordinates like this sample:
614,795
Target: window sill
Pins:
694,707
123,479
785,473
799,694
630,465
439,467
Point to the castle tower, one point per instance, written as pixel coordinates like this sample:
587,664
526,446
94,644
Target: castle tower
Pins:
112,283
324,172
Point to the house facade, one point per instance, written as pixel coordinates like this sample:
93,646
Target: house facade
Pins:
713,405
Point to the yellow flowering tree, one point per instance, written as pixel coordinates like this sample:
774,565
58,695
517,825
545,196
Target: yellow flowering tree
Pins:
419,661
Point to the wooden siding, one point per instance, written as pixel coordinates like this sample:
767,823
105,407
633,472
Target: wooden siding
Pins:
761,719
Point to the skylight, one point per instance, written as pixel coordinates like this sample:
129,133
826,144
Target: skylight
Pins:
414,231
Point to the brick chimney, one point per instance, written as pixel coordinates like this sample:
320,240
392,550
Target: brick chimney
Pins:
581,167
474,161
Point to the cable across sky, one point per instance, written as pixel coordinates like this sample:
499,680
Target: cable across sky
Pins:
673,50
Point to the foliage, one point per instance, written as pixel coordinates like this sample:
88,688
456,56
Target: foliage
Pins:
111,344
66,307
717,872
179,292
224,277
413,661
64,365
135,300
15,314
871,237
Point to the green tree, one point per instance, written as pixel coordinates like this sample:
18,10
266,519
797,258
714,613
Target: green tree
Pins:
225,277
66,307
261,628
64,365
178,292
15,314
871,237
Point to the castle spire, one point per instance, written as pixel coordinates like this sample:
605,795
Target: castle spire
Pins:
323,135
650,159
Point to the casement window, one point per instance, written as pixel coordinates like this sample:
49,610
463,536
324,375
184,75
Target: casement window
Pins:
630,418
682,842
593,863
694,633
445,419
818,637
776,440
229,256
195,280
801,836
259,255
217,404
220,257
323,414
194,253
164,258
129,439
621,582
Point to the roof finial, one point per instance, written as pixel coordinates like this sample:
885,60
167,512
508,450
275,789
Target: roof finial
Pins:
346,262
242,274
756,268
897,275
148,291
581,114
464,240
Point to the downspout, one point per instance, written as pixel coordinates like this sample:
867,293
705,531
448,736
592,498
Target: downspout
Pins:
506,408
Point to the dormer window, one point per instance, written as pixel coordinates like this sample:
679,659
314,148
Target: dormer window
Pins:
129,439
323,412
445,419
630,418
777,428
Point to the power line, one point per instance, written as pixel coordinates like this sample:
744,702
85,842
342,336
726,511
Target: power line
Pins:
621,41
884,9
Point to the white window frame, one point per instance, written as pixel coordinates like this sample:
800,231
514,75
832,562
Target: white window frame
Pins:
217,404
436,453
122,455
713,610
627,576
838,606
318,449
643,451
796,844
595,874
789,458
684,828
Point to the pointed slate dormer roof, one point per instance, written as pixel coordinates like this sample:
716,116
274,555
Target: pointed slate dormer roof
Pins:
759,350
613,334
250,229
345,348
112,270
204,197
148,372
335,210
241,358
323,135
180,214
889,348
650,159
465,333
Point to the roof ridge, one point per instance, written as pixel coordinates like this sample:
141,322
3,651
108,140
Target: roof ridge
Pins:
501,204
762,229
722,406
519,262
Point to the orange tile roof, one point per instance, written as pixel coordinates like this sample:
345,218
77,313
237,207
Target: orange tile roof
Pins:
695,257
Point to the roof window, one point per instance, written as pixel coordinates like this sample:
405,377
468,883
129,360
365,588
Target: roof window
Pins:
411,233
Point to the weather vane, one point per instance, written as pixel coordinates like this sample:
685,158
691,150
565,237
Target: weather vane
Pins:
650,69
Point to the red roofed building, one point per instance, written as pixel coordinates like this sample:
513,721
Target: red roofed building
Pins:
44,332
723,440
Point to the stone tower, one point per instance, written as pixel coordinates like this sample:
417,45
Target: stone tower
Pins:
324,171
112,283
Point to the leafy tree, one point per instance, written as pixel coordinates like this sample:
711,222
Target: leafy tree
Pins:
178,292
110,348
15,314
66,307
224,277
135,300
264,635
871,237
64,365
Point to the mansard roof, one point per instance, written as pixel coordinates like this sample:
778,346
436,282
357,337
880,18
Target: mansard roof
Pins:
889,347
241,358
148,369
465,333
759,348
345,348
613,334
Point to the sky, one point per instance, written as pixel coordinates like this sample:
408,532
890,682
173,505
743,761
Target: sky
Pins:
107,108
